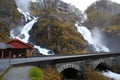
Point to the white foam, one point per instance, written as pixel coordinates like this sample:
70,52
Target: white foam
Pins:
112,75
24,31
86,33
43,50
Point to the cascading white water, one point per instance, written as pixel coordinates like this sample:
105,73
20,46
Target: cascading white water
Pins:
112,75
22,32
96,43
24,35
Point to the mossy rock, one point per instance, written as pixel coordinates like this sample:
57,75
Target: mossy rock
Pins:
62,37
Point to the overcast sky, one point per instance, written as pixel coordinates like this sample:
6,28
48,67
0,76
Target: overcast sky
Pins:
83,4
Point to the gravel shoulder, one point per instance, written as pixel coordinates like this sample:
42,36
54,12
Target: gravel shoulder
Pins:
18,73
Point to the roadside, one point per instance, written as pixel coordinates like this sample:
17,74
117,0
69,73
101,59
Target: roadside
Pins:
18,73
4,65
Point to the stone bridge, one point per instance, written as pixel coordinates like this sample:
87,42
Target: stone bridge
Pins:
72,66
71,70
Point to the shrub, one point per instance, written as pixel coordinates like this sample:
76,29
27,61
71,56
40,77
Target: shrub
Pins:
36,74
51,74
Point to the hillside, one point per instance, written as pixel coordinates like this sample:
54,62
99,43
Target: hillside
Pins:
103,14
55,28
9,16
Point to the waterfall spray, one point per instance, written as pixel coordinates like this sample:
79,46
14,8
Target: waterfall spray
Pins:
94,41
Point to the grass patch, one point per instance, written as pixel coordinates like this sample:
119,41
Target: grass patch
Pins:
36,74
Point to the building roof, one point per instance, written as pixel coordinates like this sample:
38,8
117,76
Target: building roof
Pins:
17,44
4,46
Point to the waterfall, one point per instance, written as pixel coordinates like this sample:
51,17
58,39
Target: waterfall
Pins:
95,41
88,36
22,31
112,75
99,47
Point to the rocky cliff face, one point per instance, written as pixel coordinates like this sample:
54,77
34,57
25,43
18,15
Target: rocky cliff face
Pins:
8,12
56,30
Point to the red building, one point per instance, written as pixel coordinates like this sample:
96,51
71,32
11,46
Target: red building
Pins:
17,49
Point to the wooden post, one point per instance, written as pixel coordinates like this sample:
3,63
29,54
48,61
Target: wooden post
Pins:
2,54
31,52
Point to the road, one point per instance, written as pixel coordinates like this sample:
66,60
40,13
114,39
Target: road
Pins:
4,63
18,73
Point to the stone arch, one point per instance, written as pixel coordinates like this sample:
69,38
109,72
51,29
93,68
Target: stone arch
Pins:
70,74
106,63
103,67
69,71
97,62
69,65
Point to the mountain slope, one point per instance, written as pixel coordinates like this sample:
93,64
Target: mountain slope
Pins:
9,16
56,30
103,14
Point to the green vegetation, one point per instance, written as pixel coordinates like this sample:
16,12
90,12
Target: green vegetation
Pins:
44,74
51,74
36,74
